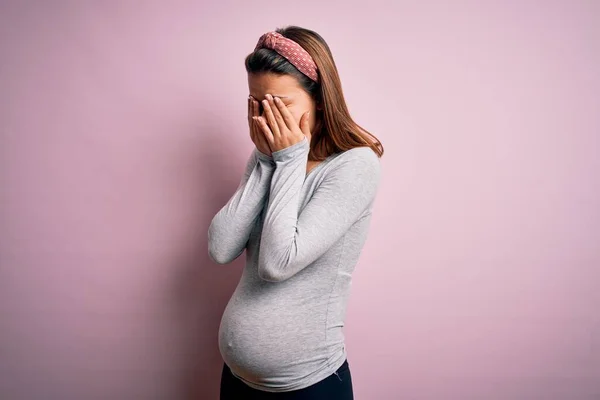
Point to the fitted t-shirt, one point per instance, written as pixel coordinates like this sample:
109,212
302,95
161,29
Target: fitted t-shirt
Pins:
303,233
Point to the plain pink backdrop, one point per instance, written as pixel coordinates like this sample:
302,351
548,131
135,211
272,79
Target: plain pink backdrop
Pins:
123,130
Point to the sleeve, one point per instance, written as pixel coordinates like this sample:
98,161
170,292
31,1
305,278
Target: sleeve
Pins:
230,228
291,240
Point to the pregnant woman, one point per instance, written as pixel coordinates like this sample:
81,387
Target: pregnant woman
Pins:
302,212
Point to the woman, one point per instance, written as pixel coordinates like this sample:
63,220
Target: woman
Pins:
301,212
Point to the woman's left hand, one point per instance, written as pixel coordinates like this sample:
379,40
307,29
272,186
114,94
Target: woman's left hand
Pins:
280,127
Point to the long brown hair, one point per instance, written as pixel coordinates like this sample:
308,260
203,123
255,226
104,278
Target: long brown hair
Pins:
335,130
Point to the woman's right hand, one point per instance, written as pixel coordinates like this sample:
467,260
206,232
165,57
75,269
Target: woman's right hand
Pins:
259,139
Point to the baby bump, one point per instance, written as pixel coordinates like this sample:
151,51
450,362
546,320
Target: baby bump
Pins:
260,340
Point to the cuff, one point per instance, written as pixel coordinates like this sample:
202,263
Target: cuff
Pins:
290,152
262,156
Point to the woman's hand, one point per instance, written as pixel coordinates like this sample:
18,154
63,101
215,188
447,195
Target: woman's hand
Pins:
255,131
279,126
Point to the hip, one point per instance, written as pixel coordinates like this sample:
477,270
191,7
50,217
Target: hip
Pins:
336,386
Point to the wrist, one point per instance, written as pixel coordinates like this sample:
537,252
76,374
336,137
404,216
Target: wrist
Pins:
264,156
292,151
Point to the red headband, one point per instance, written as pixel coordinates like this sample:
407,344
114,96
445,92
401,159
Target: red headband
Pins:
292,51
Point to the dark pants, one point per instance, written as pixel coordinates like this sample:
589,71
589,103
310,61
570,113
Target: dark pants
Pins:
337,386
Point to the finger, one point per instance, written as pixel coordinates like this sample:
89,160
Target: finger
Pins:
255,107
251,123
265,130
271,119
257,114
287,117
260,137
253,130
254,111
250,112
278,117
257,133
261,141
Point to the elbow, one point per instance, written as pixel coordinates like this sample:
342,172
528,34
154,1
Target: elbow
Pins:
274,266
220,250
218,258
221,255
271,273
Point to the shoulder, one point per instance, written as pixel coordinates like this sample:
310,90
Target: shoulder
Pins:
364,152
354,165
359,158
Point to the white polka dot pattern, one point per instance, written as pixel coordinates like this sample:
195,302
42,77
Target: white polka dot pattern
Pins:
292,51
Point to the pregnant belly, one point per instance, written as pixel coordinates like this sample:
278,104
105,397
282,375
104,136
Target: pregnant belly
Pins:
265,342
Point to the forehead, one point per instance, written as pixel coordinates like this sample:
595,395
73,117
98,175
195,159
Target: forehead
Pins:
284,85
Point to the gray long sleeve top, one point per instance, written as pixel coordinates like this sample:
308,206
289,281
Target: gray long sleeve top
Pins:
303,234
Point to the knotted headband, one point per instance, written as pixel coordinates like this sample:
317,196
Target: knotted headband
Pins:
292,51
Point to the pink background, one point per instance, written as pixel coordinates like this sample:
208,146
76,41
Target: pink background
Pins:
123,130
